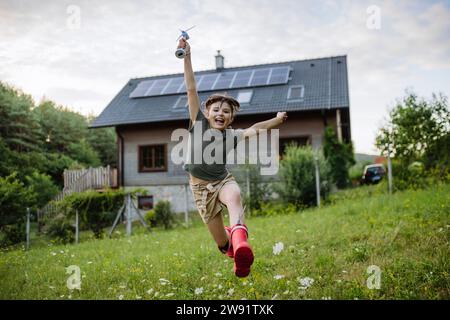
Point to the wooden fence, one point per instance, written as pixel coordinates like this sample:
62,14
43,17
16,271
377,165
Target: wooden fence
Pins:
82,180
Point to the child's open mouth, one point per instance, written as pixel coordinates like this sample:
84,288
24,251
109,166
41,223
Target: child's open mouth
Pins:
219,121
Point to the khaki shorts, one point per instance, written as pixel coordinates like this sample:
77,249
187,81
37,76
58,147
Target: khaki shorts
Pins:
206,196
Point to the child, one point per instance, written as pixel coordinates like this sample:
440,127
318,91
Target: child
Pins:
212,185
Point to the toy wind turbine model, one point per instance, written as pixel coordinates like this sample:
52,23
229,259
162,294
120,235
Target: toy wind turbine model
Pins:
181,53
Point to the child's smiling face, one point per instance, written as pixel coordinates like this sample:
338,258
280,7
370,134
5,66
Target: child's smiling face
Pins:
220,115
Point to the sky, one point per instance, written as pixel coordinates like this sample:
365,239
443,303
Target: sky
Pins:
81,53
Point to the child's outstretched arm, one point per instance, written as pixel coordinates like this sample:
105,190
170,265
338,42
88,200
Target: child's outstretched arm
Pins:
189,78
268,124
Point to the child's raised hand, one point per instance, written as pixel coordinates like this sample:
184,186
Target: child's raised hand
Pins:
282,116
185,45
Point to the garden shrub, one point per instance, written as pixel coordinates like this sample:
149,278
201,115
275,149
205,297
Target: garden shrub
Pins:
164,215
96,210
297,176
62,229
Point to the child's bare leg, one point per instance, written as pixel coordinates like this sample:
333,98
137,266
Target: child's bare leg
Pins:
230,195
217,230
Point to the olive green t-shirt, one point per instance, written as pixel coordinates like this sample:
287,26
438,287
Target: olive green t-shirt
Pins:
214,167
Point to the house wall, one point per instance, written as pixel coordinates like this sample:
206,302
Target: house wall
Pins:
170,184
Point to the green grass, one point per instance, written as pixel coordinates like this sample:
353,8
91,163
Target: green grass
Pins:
406,235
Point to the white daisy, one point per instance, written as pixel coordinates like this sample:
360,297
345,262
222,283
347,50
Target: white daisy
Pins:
278,247
199,290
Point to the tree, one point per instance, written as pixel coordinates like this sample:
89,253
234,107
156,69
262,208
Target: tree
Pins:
19,127
339,156
415,125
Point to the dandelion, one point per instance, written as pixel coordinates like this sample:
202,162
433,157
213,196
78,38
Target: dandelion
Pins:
199,290
278,277
278,247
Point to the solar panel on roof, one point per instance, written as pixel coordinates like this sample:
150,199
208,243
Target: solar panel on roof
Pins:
260,77
173,85
207,82
214,81
224,80
279,75
242,79
141,88
158,87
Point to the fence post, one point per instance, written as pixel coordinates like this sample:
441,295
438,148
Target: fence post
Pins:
186,206
316,164
128,208
247,176
28,229
389,173
77,228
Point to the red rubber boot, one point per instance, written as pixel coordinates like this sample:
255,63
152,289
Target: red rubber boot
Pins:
230,246
243,254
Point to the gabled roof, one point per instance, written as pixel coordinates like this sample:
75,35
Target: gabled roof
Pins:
325,83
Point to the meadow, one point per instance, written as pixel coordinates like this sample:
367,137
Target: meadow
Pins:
327,253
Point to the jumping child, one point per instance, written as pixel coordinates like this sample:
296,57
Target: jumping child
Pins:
212,185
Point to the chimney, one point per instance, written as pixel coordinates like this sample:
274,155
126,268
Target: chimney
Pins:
219,61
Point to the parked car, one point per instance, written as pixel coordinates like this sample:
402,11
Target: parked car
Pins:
373,173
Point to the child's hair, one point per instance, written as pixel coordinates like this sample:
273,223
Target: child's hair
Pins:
223,97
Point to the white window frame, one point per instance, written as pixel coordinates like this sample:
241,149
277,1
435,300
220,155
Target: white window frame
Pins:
247,101
302,93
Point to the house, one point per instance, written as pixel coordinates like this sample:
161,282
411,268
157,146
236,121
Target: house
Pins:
146,111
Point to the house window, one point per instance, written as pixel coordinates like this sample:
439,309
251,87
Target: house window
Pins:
299,141
145,202
152,158
181,103
296,92
245,96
